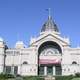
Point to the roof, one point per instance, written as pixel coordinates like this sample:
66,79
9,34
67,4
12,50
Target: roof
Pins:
49,25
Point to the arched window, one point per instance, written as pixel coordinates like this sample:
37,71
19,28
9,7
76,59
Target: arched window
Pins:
25,62
74,62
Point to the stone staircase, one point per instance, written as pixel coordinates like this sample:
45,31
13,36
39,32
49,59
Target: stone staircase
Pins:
49,78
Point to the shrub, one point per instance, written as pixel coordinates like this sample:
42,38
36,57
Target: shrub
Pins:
77,74
33,78
6,76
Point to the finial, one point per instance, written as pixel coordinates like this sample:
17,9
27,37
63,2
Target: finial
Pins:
49,12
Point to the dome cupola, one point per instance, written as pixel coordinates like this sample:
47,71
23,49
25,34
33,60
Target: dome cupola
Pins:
49,25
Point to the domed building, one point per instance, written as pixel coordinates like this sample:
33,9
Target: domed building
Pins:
48,54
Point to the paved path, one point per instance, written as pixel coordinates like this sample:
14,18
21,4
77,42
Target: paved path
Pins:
49,78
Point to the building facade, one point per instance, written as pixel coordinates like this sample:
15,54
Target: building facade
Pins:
47,54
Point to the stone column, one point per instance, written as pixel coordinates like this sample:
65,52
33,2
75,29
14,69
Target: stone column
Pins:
12,69
45,70
54,70
19,70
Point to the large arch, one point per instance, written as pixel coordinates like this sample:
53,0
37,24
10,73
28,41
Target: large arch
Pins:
43,47
49,44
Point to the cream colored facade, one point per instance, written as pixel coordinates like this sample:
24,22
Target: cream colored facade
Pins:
47,54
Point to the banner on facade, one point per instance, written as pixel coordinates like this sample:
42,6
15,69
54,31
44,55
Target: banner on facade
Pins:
49,61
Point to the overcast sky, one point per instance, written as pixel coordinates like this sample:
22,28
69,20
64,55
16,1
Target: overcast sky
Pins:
23,19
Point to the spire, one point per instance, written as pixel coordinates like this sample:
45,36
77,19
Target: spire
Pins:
49,25
49,13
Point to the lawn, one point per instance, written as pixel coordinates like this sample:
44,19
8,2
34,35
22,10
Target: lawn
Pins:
76,79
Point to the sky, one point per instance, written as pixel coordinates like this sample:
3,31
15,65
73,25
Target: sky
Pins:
23,19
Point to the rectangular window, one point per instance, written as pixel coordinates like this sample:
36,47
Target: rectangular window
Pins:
58,70
11,69
49,70
8,69
15,69
41,70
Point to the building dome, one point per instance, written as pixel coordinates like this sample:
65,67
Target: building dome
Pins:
19,44
49,25
1,39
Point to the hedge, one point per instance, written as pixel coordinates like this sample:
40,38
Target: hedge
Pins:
33,78
63,77
6,76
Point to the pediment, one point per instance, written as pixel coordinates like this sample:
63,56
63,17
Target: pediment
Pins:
50,37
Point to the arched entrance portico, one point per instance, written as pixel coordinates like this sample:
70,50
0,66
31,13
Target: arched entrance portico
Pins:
49,59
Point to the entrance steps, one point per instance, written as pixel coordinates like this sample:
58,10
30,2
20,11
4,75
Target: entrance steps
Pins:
49,78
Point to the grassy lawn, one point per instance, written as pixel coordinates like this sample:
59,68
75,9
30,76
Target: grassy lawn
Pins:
76,79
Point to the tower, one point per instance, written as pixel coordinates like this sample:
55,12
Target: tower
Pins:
2,55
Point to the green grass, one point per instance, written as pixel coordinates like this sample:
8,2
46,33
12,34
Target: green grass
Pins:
64,77
18,77
76,79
